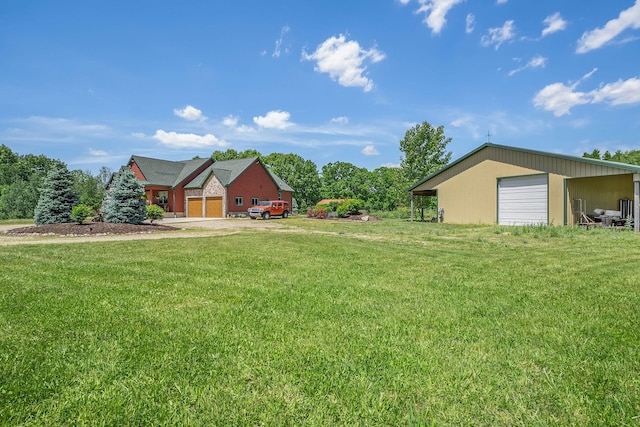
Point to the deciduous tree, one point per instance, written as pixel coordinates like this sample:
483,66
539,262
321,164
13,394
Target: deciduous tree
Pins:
342,180
231,154
425,151
300,174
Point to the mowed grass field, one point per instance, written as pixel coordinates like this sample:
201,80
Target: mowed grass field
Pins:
325,323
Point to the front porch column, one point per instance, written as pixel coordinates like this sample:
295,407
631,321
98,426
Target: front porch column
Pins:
636,202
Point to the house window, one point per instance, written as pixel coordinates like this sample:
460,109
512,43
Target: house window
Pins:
279,195
239,201
254,201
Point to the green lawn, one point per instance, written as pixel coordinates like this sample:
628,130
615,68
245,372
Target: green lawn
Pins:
388,323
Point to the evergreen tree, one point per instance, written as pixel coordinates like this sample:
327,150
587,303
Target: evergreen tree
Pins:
124,202
56,197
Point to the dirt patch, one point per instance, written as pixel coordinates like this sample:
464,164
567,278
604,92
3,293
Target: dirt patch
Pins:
93,228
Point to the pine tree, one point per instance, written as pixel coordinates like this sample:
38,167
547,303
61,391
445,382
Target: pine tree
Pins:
124,202
56,197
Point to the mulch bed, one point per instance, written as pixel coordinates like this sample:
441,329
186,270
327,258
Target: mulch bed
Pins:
92,228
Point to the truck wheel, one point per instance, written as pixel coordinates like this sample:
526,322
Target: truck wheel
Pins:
285,214
266,215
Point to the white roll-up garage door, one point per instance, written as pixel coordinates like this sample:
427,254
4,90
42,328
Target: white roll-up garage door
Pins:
523,200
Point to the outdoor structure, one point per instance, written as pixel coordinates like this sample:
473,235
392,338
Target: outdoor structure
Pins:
203,188
496,184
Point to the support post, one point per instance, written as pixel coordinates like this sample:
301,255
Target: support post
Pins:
411,207
636,202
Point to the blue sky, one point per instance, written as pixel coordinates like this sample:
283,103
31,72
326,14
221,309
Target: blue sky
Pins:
93,82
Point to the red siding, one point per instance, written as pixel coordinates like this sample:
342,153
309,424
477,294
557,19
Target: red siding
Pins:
255,181
179,190
176,195
136,171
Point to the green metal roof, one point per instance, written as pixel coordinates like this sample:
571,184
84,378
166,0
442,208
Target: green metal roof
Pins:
165,172
606,163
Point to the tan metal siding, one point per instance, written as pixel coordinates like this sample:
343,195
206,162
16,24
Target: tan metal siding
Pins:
530,161
471,196
597,192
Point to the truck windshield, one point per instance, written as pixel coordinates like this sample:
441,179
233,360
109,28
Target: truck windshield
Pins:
264,204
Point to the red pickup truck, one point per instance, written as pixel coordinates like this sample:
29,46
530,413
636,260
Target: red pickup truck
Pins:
269,208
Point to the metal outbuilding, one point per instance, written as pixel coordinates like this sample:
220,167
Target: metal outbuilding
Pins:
497,184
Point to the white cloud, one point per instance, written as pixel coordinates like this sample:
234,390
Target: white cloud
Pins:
245,129
403,2
274,120
553,23
391,165
467,122
594,39
370,150
189,113
230,121
342,120
62,125
436,11
344,61
535,62
499,35
99,153
620,92
138,134
276,52
470,23
560,98
188,140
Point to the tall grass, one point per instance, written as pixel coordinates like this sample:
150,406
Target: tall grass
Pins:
388,323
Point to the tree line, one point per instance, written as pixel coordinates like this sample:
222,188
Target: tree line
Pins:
385,188
423,148
22,178
631,157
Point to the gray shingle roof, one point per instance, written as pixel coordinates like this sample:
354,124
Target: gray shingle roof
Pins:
165,172
228,171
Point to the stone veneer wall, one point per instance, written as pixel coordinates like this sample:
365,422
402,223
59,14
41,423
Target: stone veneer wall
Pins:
214,188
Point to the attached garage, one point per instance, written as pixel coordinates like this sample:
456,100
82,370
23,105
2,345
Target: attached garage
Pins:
497,184
523,200
213,207
194,207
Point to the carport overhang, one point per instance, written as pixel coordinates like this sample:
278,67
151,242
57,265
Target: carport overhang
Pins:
421,193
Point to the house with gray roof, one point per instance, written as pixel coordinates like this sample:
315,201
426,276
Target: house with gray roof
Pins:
202,188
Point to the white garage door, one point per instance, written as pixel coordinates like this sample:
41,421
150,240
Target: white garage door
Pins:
523,200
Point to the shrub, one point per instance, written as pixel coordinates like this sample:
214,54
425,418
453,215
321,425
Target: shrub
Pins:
320,213
350,207
325,206
80,213
333,206
154,212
